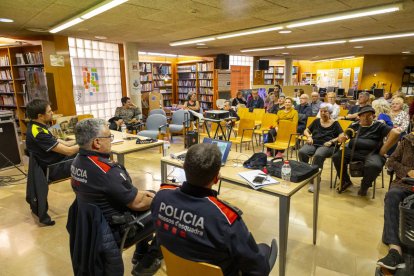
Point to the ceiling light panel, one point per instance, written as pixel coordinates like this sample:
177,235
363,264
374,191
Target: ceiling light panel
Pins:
249,32
191,41
316,44
66,25
262,49
379,37
103,7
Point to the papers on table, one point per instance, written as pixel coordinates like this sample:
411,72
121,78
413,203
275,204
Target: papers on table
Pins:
117,141
251,175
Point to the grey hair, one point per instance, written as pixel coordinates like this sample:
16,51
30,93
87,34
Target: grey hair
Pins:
327,106
87,130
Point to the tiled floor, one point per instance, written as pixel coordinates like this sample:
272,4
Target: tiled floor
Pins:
348,240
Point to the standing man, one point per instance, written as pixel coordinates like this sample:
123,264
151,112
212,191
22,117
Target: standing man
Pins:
46,150
129,113
98,180
315,104
255,101
193,223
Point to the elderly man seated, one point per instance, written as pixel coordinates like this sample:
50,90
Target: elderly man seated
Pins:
367,138
321,136
304,111
255,101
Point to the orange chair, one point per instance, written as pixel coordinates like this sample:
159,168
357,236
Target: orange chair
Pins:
286,137
244,133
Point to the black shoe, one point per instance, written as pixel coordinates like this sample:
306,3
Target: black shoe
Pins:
140,270
392,261
48,223
345,186
363,191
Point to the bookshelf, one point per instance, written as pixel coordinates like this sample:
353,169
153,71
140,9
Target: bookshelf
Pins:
308,78
145,76
269,76
275,75
186,81
162,81
205,81
22,78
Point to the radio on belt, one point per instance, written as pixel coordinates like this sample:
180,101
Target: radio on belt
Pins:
217,114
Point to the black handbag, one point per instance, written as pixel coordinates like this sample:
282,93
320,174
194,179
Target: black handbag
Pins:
356,168
300,171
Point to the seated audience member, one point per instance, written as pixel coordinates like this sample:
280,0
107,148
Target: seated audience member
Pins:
304,111
369,148
382,111
270,101
255,101
363,99
321,136
315,103
279,106
278,91
402,163
239,99
192,104
288,114
44,147
399,117
232,112
216,232
115,123
388,97
335,107
108,185
296,96
129,113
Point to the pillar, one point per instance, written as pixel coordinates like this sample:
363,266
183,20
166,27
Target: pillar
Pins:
132,73
288,71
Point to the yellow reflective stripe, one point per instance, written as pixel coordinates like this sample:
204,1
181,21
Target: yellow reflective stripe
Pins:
37,129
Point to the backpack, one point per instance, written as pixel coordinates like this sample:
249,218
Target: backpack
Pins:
299,170
257,161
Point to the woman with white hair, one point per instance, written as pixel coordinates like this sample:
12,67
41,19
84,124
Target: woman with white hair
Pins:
382,111
398,116
321,136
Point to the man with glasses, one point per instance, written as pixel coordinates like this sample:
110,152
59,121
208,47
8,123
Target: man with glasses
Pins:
98,180
304,111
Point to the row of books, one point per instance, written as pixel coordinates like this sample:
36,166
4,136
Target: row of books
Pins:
268,77
205,75
206,106
5,75
186,68
186,83
165,91
146,87
7,100
205,66
161,69
160,83
145,78
4,61
268,81
6,88
205,83
29,58
166,96
167,102
182,96
159,77
206,98
205,90
145,67
186,89
187,76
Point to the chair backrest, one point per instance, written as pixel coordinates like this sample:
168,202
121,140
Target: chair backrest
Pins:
343,112
84,116
285,130
344,124
245,124
241,111
157,111
258,113
310,120
154,121
177,266
269,120
179,117
63,119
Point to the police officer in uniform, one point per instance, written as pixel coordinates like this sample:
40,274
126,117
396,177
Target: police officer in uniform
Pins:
97,179
193,223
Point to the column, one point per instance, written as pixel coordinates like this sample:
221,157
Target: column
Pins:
132,73
288,71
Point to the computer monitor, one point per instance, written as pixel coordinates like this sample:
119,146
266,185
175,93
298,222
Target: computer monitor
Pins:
378,93
223,146
322,92
340,92
350,93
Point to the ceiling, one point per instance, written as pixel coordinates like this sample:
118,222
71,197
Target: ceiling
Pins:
153,24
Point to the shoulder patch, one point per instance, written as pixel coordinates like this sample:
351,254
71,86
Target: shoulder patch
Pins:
228,212
37,129
169,187
101,165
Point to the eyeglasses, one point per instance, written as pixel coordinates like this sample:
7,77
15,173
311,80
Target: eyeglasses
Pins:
110,136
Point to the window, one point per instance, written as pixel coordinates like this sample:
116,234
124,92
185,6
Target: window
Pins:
243,61
96,77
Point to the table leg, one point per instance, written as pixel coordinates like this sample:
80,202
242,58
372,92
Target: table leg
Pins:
284,203
316,205
121,159
208,131
163,172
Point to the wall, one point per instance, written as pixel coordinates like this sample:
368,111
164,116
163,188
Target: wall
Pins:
387,69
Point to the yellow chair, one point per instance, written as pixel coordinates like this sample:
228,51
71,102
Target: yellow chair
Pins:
247,115
258,115
308,123
177,266
244,133
212,129
82,117
241,111
269,120
285,138
344,124
343,112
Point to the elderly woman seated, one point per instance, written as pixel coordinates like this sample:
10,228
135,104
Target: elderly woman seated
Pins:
398,116
321,135
402,162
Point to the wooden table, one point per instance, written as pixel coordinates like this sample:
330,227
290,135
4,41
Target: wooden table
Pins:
230,174
127,146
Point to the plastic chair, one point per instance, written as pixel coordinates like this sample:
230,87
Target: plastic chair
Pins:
177,266
343,112
241,111
308,123
285,138
244,133
258,115
84,117
180,122
157,111
345,124
269,120
156,124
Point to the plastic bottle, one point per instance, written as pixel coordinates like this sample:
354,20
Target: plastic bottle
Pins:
166,147
286,172
124,131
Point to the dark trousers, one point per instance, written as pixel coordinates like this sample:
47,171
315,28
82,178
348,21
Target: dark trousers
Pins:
392,200
319,153
373,163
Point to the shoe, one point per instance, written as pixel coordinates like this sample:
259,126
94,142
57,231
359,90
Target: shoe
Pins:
363,191
392,261
310,188
140,270
279,155
136,258
345,186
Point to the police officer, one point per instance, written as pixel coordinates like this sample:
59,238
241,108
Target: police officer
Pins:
193,223
98,180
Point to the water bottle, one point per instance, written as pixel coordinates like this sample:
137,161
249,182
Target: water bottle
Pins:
124,131
166,147
286,172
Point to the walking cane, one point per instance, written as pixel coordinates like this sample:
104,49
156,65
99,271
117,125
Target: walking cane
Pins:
342,168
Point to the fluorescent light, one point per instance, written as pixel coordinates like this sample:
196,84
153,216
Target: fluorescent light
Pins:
347,15
406,52
249,32
333,59
6,20
66,25
358,47
192,41
316,44
263,49
156,54
381,37
285,32
100,37
100,8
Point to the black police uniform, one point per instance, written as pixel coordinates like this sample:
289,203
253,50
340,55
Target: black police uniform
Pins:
191,222
40,142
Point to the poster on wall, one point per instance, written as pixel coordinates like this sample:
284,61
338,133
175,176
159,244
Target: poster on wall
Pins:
90,82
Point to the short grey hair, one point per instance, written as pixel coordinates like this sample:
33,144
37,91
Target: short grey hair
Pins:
87,130
328,106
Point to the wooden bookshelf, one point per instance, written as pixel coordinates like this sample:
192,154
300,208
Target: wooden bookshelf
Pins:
205,82
186,80
162,81
145,76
